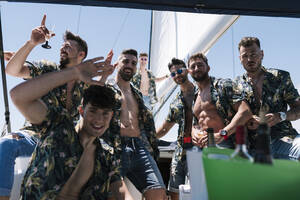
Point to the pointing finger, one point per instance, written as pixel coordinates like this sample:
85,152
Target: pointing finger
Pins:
43,20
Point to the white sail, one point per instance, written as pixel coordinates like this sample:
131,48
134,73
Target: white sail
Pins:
178,34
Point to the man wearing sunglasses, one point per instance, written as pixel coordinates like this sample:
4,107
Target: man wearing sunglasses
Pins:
180,112
218,105
144,80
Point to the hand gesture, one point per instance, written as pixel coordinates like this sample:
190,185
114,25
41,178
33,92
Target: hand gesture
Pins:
91,68
253,123
8,55
111,67
197,135
272,119
38,34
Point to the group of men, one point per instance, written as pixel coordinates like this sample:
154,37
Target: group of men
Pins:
116,135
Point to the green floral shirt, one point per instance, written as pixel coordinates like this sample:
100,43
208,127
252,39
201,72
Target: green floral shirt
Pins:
42,67
177,115
277,92
145,118
136,81
224,94
58,153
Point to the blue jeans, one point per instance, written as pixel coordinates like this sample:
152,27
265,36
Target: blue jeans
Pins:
10,149
181,173
285,148
139,166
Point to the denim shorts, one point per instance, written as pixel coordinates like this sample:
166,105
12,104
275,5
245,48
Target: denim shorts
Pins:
286,148
139,166
10,149
181,172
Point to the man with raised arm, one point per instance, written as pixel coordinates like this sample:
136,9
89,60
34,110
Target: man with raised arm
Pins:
145,81
180,112
22,142
218,105
272,92
138,136
70,164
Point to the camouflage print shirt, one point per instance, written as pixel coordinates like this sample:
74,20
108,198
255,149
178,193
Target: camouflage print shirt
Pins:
277,92
224,94
57,154
136,81
145,118
177,115
42,67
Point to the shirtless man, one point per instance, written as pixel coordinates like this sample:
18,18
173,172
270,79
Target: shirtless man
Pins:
217,105
138,136
180,112
145,81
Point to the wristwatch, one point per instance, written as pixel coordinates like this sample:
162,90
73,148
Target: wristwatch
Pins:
282,116
224,134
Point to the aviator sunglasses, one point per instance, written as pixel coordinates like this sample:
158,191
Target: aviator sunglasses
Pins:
178,71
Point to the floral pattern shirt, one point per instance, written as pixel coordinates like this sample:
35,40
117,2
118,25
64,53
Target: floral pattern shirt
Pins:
224,94
145,118
42,67
277,92
57,154
136,81
177,115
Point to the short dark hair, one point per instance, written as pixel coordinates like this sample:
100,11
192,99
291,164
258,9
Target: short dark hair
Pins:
82,45
130,52
249,41
199,55
176,61
143,54
99,96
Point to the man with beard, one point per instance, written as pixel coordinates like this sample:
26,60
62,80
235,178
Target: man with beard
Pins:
270,91
137,131
218,105
145,81
180,112
22,143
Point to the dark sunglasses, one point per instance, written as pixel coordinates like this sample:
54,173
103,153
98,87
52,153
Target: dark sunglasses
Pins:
179,71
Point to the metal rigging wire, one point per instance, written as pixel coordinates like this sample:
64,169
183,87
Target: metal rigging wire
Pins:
122,26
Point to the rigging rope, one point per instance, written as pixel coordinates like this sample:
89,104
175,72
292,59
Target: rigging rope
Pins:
78,21
122,26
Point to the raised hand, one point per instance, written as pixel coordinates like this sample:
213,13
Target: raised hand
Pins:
8,55
90,69
108,63
38,34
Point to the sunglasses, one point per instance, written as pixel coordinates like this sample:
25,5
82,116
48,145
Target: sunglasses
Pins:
178,71
144,59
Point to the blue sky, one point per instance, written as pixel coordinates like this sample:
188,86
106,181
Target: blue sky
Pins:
102,29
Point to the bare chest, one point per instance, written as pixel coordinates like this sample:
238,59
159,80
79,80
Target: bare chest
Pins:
145,84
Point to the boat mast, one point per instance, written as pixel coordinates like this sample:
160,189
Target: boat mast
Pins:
4,85
150,40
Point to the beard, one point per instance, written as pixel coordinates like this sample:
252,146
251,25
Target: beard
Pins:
63,62
183,79
126,76
201,78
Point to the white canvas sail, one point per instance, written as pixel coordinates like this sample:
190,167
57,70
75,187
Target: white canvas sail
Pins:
178,34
